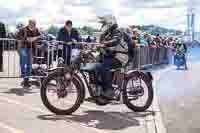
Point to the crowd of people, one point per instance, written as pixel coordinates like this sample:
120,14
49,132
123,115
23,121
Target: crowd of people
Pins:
145,39
31,33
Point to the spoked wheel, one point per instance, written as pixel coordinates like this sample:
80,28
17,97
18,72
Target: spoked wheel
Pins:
138,92
60,98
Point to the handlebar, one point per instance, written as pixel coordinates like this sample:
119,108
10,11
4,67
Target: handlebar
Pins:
52,42
82,45
76,43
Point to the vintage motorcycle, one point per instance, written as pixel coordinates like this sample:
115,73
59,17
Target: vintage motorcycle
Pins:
67,85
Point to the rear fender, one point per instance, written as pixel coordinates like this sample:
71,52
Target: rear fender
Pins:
147,74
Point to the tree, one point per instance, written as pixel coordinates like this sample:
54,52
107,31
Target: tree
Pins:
179,32
88,30
52,30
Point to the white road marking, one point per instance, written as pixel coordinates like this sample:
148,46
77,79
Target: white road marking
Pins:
35,109
158,115
10,129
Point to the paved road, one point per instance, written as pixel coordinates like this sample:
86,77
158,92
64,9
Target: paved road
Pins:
179,96
178,93
23,112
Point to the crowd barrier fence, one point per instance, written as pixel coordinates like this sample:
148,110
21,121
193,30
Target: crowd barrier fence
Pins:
44,55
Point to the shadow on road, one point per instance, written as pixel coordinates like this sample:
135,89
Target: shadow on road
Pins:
101,119
181,69
19,91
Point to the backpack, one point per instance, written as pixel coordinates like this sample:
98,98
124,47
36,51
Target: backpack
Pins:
180,50
127,44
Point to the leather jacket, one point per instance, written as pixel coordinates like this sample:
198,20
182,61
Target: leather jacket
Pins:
113,40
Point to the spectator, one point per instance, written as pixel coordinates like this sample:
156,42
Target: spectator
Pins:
147,38
135,34
28,37
88,39
153,44
2,35
136,37
181,50
95,39
142,41
158,40
19,27
67,34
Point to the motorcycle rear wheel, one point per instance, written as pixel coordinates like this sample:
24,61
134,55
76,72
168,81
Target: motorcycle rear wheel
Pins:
149,89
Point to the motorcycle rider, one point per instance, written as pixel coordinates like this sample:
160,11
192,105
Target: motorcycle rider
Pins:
111,37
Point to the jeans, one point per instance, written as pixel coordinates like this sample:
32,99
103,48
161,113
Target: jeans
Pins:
67,54
104,77
25,62
104,74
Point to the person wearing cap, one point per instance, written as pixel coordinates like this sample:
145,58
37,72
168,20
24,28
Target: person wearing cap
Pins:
68,34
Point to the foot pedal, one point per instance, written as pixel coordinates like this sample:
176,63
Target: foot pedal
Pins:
90,99
37,57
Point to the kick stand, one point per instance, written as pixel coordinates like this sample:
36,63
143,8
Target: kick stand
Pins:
121,102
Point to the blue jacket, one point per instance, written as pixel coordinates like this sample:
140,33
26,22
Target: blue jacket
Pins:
63,35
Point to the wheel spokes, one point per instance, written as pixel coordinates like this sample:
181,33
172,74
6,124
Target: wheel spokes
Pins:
59,97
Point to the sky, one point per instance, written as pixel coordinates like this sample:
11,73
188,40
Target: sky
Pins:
165,13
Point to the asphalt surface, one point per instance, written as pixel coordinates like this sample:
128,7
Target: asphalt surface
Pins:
179,97
22,111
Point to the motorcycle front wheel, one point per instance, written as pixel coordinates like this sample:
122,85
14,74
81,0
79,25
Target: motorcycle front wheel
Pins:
63,101
138,92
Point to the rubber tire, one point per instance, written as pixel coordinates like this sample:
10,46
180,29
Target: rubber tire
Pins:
150,93
36,83
57,111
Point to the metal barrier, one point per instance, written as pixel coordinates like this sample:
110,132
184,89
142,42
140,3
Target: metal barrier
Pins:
42,56
36,58
145,56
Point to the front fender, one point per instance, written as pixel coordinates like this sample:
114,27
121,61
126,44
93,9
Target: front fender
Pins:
82,85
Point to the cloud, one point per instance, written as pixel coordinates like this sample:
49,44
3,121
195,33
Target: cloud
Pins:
153,3
170,13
